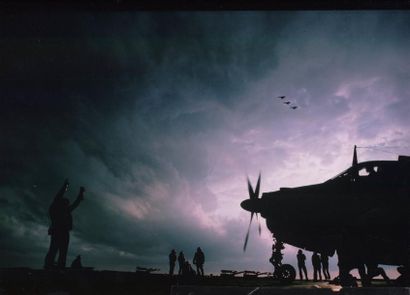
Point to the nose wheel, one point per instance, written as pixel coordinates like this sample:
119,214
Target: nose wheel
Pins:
285,273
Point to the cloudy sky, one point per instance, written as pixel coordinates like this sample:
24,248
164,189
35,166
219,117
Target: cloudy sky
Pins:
163,115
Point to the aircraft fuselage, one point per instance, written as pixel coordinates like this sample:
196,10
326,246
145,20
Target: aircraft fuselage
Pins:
368,208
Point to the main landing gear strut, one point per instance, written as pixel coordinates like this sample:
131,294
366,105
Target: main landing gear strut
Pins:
285,273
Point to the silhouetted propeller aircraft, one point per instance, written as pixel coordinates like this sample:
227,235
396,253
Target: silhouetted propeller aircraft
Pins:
362,214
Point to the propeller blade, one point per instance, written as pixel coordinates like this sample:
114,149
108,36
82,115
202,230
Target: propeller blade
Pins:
250,190
247,234
259,224
258,186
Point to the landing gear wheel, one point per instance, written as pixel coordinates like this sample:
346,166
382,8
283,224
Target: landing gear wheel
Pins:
286,274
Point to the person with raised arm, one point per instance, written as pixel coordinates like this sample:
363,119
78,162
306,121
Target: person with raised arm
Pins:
61,225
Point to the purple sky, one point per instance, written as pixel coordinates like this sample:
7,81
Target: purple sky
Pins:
162,116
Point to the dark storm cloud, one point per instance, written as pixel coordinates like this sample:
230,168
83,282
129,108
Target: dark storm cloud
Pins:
161,115
107,100
79,72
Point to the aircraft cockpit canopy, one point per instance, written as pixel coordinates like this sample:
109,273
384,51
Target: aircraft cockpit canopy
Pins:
362,170
368,170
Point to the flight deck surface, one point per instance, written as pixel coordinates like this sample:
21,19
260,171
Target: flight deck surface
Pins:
89,281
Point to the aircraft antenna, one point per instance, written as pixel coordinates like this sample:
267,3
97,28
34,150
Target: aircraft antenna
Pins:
382,149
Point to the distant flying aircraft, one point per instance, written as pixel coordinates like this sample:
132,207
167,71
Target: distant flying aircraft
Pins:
363,214
293,107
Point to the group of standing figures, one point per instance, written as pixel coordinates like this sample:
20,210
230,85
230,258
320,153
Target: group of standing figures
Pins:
319,262
62,223
185,268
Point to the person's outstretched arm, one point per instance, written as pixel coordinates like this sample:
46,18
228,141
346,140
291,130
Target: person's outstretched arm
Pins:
62,190
78,200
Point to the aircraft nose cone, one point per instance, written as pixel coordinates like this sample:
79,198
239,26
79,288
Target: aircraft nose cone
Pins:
251,205
246,205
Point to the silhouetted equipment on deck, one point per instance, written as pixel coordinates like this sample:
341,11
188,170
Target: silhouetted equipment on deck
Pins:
230,273
245,273
146,270
255,274
362,213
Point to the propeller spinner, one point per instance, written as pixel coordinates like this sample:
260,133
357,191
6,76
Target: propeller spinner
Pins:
252,205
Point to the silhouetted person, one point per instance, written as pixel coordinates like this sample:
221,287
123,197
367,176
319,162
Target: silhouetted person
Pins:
373,270
172,259
181,261
404,277
316,267
61,225
350,256
199,260
325,265
77,262
301,264
187,270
